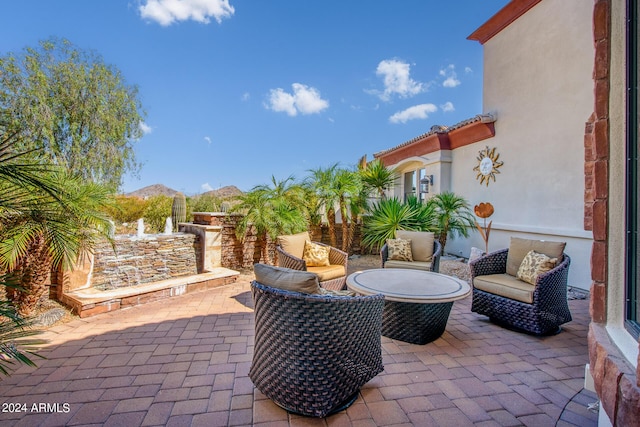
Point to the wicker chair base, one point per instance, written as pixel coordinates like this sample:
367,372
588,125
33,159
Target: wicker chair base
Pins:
519,315
415,323
306,358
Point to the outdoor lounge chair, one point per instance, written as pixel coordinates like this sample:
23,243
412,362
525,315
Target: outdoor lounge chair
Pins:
313,352
291,254
425,252
539,307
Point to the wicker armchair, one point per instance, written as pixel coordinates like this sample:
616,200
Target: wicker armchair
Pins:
313,352
333,276
434,265
544,315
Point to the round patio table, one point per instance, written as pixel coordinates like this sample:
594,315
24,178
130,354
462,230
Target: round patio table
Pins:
417,303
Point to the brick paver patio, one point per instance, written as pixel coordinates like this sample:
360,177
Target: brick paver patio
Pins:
185,362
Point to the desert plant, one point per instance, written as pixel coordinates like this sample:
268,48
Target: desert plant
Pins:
271,210
376,177
178,210
389,215
452,214
206,203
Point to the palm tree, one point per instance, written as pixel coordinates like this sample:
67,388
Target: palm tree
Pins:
376,177
321,182
271,210
46,233
346,187
453,216
26,186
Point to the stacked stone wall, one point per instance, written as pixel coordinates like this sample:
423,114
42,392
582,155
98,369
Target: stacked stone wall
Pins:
144,260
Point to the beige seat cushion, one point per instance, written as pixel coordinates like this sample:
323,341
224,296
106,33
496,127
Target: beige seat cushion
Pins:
293,244
415,265
287,279
519,248
505,285
421,243
328,272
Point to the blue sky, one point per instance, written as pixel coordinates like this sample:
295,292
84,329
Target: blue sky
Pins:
237,91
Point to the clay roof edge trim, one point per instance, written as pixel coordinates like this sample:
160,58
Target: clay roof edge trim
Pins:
501,20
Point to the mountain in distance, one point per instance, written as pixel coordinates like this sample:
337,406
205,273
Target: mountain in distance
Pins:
153,190
226,192
159,189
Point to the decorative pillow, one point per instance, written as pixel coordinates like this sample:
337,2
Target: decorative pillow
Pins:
399,249
287,279
533,265
421,244
315,255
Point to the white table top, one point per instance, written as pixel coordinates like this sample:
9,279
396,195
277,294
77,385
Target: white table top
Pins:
405,285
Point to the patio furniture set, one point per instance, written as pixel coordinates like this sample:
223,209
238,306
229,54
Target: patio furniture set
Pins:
318,331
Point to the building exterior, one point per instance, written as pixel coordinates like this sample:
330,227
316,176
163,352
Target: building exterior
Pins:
537,97
611,166
561,95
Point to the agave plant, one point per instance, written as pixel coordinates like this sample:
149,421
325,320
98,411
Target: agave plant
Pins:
389,215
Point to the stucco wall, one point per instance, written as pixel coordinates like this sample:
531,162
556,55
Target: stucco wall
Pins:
538,81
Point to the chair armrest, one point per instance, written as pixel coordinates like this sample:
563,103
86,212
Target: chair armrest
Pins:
287,260
553,283
336,256
492,263
384,255
435,259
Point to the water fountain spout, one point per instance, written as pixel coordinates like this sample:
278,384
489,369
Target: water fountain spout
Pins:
168,226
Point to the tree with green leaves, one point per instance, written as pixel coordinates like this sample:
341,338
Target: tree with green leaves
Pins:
376,177
271,210
73,106
453,216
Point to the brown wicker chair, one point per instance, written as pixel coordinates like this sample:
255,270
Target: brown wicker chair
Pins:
313,352
332,277
544,315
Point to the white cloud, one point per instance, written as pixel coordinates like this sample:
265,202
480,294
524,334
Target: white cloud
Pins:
166,12
145,128
396,79
206,138
450,75
412,113
468,70
304,100
246,96
206,187
447,107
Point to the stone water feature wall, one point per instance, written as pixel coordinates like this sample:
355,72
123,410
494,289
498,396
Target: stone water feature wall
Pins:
144,260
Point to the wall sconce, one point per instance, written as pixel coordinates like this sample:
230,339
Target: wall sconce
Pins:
425,183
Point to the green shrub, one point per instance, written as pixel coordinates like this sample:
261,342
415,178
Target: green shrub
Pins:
126,209
205,203
157,211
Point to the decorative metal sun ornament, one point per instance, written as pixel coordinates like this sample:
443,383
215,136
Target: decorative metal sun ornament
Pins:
488,164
